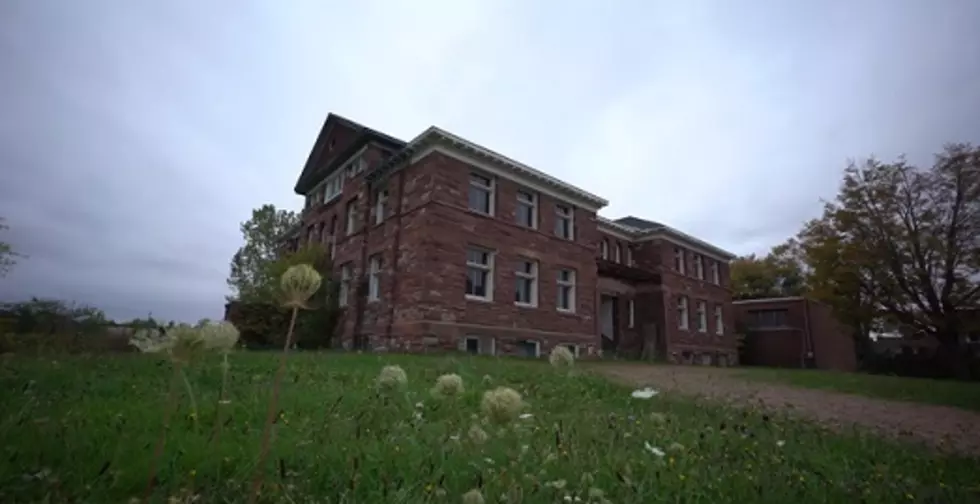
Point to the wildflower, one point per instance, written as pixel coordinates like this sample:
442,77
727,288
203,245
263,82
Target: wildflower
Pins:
298,284
477,435
557,484
525,416
392,377
473,497
185,342
653,449
448,385
675,447
780,443
487,380
644,393
221,336
561,356
502,404
150,341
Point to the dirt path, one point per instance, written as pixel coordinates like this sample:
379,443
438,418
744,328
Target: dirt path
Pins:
948,429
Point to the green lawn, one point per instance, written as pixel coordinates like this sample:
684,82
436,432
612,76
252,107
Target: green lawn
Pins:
83,429
964,395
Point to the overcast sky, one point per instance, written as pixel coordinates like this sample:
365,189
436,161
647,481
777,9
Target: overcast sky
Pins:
135,136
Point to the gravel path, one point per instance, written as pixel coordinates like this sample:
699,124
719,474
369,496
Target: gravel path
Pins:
946,428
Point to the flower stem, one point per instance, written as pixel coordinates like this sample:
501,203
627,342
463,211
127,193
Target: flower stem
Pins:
271,412
162,439
190,395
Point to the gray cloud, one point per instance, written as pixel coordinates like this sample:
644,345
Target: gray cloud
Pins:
134,137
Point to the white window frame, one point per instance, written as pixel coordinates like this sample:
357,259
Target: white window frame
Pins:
604,248
333,237
565,213
528,199
567,284
680,265
537,347
719,320
532,276
631,311
490,188
333,187
702,312
351,211
355,167
699,266
715,273
380,201
374,278
343,296
488,268
683,317
617,253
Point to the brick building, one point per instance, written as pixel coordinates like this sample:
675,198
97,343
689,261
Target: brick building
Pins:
794,332
441,243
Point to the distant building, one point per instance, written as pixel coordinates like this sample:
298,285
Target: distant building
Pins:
794,332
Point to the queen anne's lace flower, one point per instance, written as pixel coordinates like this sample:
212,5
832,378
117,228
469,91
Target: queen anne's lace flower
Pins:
561,356
448,385
392,377
473,497
299,283
644,393
502,404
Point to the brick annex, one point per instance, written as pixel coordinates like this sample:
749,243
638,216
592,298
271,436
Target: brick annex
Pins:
440,243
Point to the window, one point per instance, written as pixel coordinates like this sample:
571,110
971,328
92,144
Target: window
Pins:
527,283
356,166
682,322
699,266
565,221
471,344
604,248
481,194
719,320
527,209
351,215
374,278
715,273
333,237
572,347
702,316
632,313
310,233
760,319
629,256
679,260
479,274
529,348
566,290
333,187
345,277
380,200
617,253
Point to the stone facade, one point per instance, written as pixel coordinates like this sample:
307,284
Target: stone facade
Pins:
406,272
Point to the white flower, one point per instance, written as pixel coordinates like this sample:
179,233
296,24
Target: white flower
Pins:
448,385
392,377
780,443
653,449
561,356
501,404
525,416
644,393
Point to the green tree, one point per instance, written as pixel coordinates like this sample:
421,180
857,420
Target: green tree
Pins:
252,278
8,257
908,241
777,274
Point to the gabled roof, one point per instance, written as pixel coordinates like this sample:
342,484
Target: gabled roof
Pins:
436,136
310,174
636,228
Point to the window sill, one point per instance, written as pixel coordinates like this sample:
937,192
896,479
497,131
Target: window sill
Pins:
479,299
525,305
564,311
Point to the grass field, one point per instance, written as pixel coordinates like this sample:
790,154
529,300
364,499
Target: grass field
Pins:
83,430
964,395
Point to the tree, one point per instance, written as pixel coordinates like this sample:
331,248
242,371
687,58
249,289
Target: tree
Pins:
8,257
778,274
251,278
909,241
